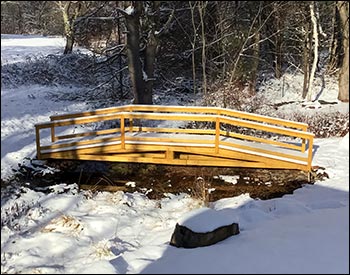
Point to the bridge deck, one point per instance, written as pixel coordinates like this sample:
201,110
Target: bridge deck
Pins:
205,147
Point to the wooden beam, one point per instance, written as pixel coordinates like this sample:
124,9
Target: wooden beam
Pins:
193,162
217,134
92,133
37,141
262,140
122,131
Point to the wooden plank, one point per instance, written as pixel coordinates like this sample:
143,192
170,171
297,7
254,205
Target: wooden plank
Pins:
129,148
169,155
122,131
106,117
262,140
79,120
170,116
310,152
100,111
175,130
267,128
266,119
228,155
159,154
169,140
80,143
37,141
111,147
254,150
231,163
231,154
92,133
53,138
217,134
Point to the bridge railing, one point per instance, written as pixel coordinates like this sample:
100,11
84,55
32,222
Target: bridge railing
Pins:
222,122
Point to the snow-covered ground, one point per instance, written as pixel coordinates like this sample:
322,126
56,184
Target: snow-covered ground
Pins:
17,48
66,231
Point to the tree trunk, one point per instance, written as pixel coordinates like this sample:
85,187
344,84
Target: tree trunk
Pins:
149,68
69,44
68,30
343,7
306,60
151,51
121,93
69,21
315,43
193,43
255,63
201,9
132,22
278,41
334,48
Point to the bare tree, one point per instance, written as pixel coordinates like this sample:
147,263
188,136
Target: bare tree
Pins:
343,7
278,40
335,43
201,9
315,50
70,11
142,73
193,44
132,20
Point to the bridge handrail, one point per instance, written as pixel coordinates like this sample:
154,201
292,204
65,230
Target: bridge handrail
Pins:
187,109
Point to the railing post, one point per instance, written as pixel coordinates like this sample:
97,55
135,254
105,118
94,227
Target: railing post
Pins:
53,139
309,158
37,140
130,125
303,144
217,134
130,121
122,131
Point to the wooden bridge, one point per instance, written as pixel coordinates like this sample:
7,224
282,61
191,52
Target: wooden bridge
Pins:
132,133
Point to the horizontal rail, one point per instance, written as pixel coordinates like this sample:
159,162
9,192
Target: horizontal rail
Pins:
117,116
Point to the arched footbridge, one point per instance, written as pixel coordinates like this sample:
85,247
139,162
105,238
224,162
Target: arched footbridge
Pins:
158,134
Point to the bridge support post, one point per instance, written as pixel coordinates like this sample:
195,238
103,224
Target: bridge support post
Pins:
217,134
53,139
37,133
169,154
122,131
303,145
130,125
309,159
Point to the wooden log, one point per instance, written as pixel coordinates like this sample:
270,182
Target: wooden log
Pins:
186,238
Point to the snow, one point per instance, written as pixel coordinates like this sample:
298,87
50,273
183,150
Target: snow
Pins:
289,89
344,143
67,231
18,48
205,219
129,10
230,179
